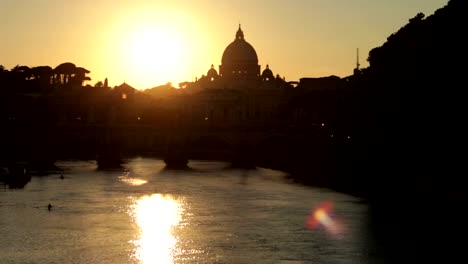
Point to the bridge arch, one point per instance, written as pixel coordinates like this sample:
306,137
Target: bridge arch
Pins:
272,147
210,147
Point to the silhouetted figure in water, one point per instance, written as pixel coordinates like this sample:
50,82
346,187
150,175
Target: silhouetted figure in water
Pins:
61,176
49,207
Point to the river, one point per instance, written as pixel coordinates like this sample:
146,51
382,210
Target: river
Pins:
210,213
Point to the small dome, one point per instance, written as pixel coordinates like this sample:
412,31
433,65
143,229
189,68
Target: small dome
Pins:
267,73
212,72
239,51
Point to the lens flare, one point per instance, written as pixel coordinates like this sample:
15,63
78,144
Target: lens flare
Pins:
323,217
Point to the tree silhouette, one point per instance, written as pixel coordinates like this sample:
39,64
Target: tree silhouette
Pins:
79,76
42,76
63,72
99,84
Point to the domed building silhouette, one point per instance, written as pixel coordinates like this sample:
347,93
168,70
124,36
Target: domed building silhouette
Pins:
239,92
239,69
239,61
267,74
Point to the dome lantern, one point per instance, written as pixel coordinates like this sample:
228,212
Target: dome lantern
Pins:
240,34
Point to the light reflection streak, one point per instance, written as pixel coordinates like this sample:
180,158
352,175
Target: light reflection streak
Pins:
131,181
155,216
134,182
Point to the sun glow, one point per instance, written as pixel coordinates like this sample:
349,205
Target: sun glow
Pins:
154,54
148,45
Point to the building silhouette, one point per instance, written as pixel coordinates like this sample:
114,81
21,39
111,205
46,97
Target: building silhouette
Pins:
239,91
239,61
235,111
239,70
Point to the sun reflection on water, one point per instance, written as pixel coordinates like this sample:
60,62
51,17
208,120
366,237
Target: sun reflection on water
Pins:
156,215
133,182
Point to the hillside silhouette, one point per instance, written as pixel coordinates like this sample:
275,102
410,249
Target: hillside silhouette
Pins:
408,117
159,91
412,108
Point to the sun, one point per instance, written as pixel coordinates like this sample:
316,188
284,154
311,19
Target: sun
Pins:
154,55
150,45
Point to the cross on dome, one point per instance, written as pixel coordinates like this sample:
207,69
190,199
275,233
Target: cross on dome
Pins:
240,33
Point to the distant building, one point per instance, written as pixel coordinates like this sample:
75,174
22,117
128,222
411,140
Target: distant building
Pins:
239,92
239,70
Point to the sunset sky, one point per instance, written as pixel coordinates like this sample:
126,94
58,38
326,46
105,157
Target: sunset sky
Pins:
149,43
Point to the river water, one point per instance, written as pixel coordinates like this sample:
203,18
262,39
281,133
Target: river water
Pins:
144,213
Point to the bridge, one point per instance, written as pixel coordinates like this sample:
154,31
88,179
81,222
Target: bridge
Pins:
244,144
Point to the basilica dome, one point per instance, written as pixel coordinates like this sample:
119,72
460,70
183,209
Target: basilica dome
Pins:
239,51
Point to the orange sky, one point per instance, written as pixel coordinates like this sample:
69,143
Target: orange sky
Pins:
148,43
